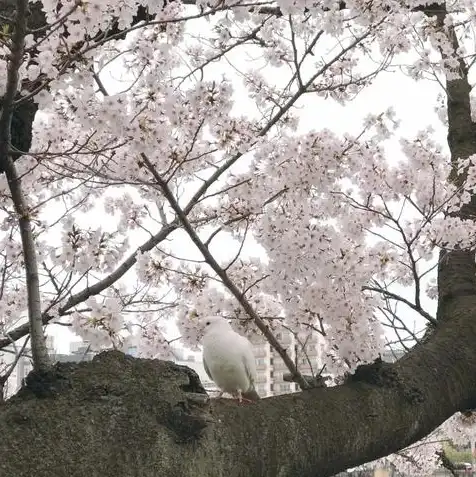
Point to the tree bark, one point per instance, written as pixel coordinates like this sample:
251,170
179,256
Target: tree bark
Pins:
119,416
457,268
38,343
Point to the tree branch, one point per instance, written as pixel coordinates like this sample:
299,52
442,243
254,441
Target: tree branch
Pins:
95,289
317,432
38,343
18,355
262,326
457,268
396,297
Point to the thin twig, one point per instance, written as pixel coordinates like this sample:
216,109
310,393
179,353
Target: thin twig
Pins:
396,297
18,355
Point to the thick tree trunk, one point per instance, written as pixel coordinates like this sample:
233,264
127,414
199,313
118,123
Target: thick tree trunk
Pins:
120,416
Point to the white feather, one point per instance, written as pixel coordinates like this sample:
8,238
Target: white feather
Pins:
228,358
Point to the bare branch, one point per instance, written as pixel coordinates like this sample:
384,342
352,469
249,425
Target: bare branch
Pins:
396,297
18,355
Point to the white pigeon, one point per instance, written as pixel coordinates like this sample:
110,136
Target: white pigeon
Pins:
228,359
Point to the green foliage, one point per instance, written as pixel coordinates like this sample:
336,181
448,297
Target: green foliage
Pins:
456,456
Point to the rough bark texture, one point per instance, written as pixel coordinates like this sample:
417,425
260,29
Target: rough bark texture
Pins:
457,268
119,416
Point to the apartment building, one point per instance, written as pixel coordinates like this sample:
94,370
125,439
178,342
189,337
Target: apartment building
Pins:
23,365
305,352
194,361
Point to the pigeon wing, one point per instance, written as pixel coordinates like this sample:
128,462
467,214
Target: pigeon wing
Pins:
206,367
249,364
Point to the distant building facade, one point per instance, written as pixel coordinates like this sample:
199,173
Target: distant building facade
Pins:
23,367
79,351
392,355
194,361
270,367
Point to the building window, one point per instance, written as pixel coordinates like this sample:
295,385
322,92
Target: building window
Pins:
132,350
271,387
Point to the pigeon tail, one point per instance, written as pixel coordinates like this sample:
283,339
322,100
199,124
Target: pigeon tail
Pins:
251,394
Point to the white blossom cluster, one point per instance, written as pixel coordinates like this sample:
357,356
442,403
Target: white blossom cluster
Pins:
318,230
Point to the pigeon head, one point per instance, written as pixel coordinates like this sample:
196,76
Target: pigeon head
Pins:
213,323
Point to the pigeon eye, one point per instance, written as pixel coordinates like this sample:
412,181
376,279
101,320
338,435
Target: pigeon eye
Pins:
207,323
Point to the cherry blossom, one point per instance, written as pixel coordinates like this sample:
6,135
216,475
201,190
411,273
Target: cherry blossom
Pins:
172,175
